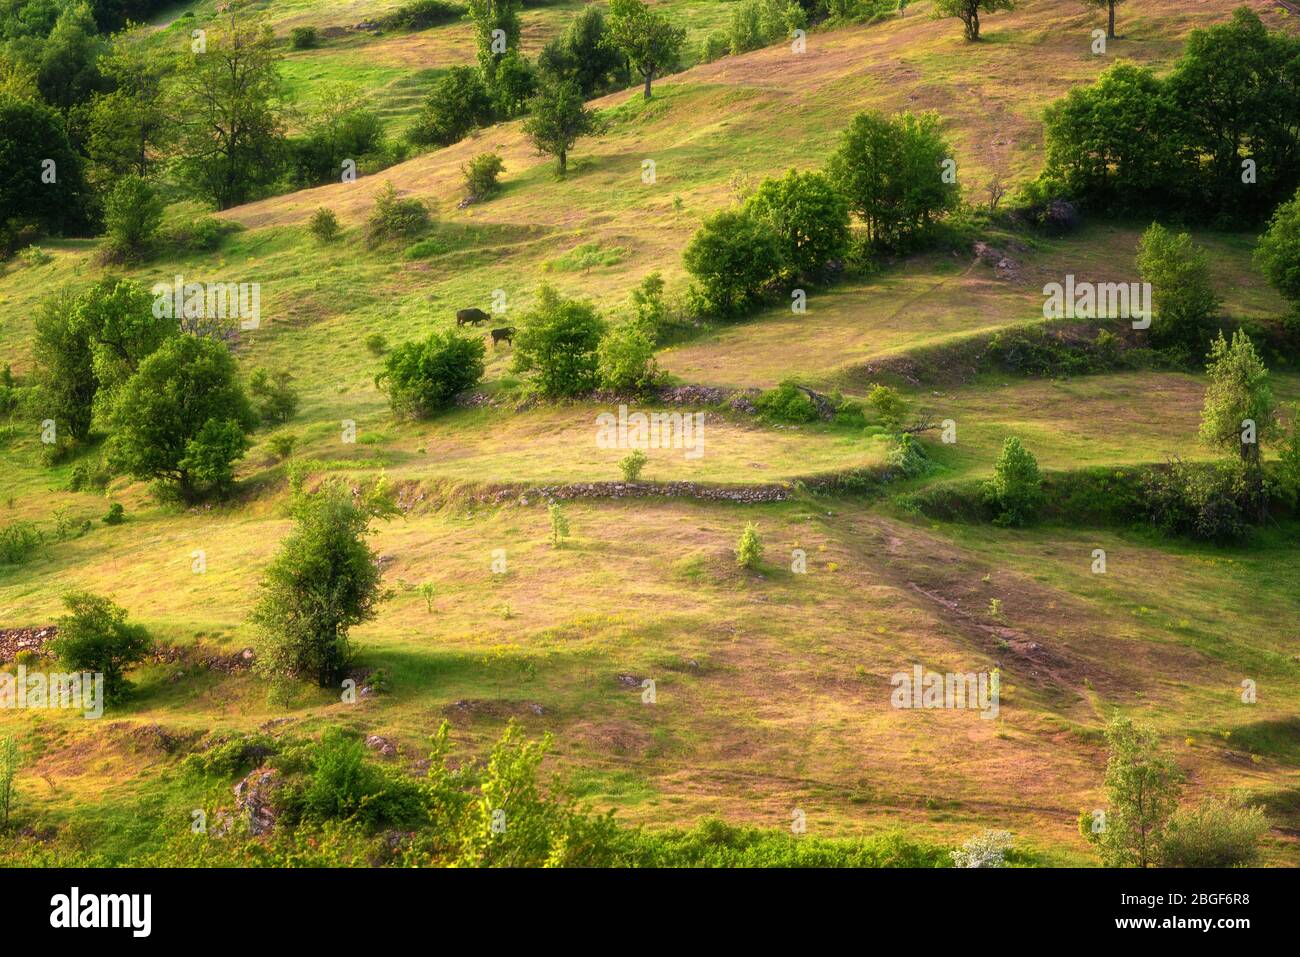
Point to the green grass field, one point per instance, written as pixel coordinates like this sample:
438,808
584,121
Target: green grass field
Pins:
772,686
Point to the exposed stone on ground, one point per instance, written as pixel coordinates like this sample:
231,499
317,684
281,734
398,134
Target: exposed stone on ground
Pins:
497,708
200,656
381,744
254,796
13,641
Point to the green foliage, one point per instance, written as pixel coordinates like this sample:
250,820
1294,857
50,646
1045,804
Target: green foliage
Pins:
459,103
1214,833
95,637
1238,392
423,378
342,785
787,403
1211,502
162,415
489,16
626,358
64,366
481,175
891,171
234,755
584,54
808,217
559,341
339,128
232,130
282,444
324,225
557,119
376,344
648,307
968,12
274,397
18,541
889,406
714,46
322,581
907,456
513,85
1015,490
648,39
132,214
30,134
1278,252
731,257
1182,293
202,235
749,549
395,219
10,762
421,15
1142,788
632,464
559,524
304,38
116,514
428,592
746,29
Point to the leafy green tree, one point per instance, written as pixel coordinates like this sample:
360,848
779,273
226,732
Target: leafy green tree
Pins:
890,407
94,636
117,318
558,341
584,53
233,118
1115,143
808,217
132,214
341,127
557,118
1278,253
1182,292
968,12
128,128
422,378
481,175
1142,788
161,416
53,198
891,172
1109,6
1237,91
459,103
1237,416
68,70
274,397
732,256
1016,489
749,550
559,524
489,16
65,366
10,761
513,84
322,581
648,39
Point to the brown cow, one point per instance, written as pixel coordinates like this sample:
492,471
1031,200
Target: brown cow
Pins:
471,316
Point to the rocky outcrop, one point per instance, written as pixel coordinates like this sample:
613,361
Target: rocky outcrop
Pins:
255,797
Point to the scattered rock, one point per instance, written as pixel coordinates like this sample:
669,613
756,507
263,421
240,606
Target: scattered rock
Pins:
13,641
254,796
381,744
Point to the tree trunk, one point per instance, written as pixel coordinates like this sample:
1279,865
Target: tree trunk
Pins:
973,26
649,75
1111,33
564,155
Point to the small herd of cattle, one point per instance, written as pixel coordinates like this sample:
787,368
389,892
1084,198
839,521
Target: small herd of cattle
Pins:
474,316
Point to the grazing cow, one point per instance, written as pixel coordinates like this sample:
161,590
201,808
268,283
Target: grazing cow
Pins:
472,316
507,334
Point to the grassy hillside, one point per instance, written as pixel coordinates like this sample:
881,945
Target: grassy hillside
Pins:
773,687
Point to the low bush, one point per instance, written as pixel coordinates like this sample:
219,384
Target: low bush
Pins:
395,219
421,15
422,378
95,637
304,38
787,403
481,175
1213,833
18,541
324,225
1015,490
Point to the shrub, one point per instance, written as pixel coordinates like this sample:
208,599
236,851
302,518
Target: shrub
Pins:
732,257
1209,502
648,304
632,464
559,524
907,456
202,235
787,403
282,444
342,785
749,550
18,540
889,406
376,343
987,849
1182,294
1278,253
1214,833
132,214
1016,488
423,378
626,358
559,341
481,175
393,218
421,15
116,514
10,760
324,225
746,32
714,46
274,398
303,38
95,637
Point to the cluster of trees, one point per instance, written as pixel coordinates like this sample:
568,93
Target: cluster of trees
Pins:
895,174
174,402
1216,139
595,54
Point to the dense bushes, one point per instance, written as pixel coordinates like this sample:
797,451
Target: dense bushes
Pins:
95,637
1216,139
460,102
558,341
421,15
1183,297
1015,490
731,257
395,219
422,378
1278,254
808,218
787,403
